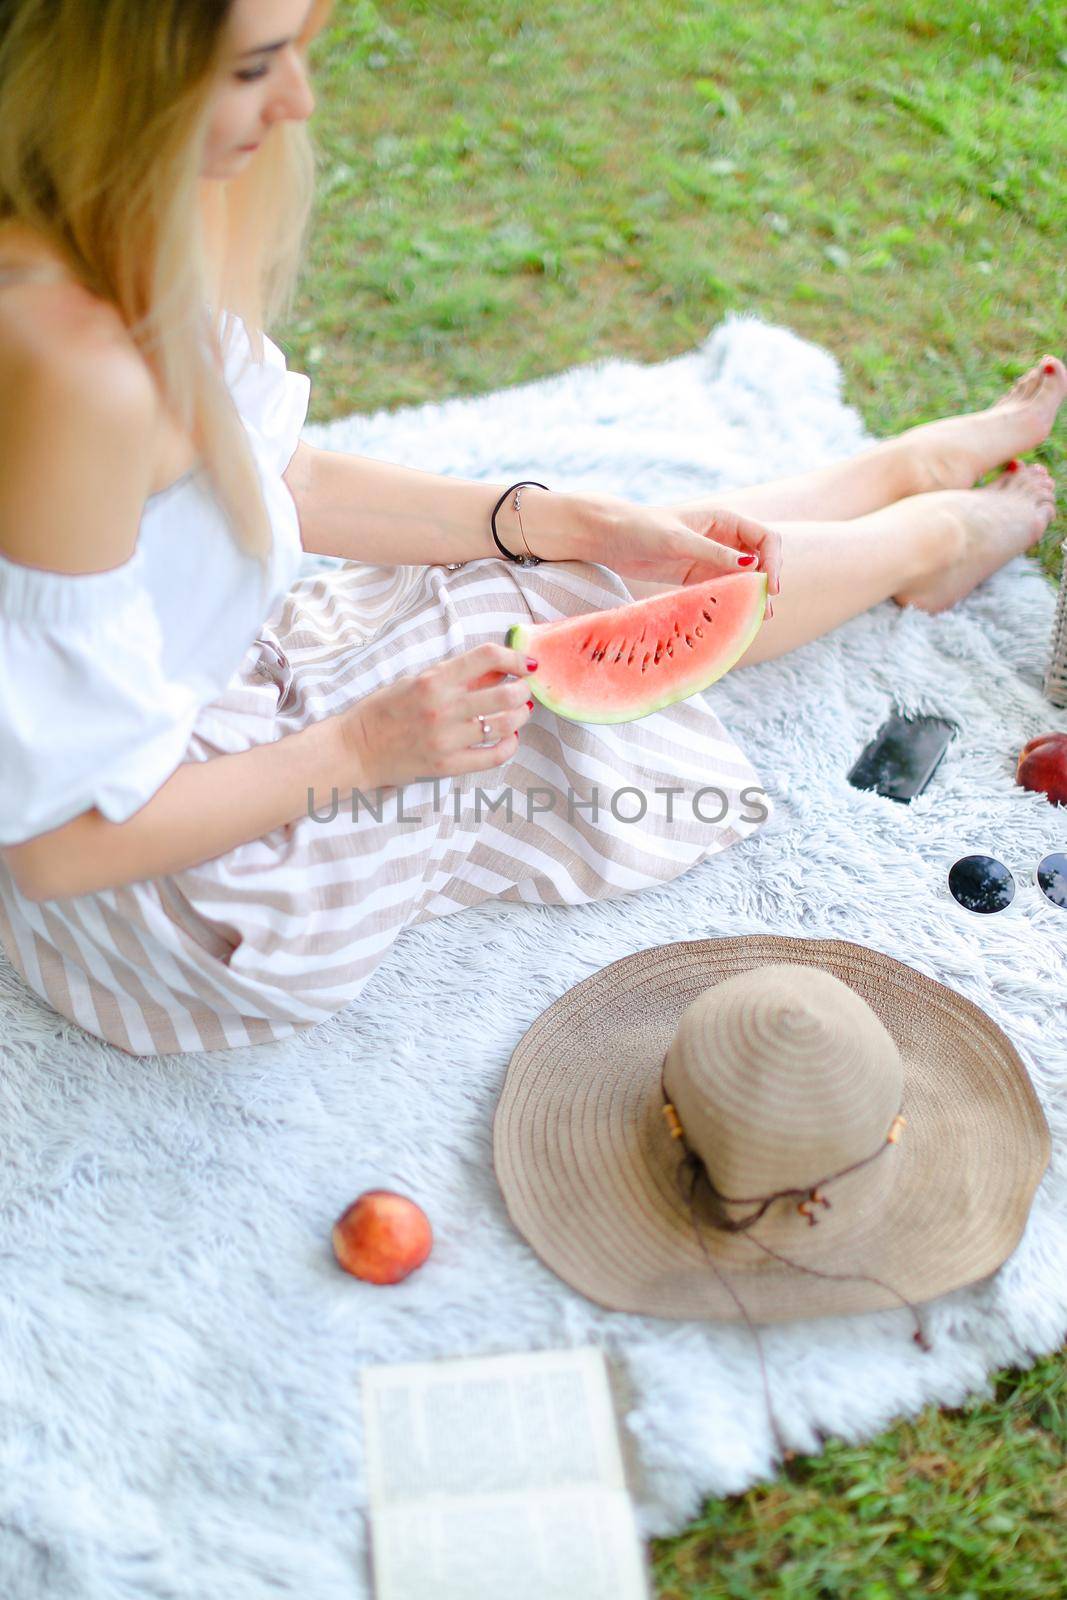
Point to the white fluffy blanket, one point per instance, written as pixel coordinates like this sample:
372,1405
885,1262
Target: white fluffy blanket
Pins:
179,1354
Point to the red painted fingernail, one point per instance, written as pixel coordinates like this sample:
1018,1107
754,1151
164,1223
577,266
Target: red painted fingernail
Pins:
1012,466
529,705
531,666
1050,366
745,561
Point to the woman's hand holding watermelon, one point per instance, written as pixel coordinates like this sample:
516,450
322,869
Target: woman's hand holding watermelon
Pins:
680,545
426,724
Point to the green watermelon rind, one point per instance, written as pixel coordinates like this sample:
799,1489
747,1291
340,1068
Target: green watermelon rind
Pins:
523,636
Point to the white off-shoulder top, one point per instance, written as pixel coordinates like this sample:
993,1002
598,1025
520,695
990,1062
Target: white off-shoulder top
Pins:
103,674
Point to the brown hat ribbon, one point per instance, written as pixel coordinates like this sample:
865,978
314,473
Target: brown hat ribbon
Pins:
808,1197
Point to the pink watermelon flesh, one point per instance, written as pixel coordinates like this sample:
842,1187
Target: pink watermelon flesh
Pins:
628,661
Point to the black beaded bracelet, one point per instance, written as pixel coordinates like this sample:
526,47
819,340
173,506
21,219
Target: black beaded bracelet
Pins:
524,560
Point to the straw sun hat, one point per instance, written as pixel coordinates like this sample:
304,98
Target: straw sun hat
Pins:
767,1128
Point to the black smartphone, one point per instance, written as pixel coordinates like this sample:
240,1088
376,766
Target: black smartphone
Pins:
903,755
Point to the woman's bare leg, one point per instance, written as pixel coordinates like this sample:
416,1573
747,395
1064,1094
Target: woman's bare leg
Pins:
928,551
951,453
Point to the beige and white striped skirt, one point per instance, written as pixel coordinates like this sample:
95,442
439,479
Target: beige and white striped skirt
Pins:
278,934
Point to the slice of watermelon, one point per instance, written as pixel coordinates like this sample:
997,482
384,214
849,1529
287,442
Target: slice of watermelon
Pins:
627,661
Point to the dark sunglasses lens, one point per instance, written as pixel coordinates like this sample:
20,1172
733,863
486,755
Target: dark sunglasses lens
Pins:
981,883
1052,879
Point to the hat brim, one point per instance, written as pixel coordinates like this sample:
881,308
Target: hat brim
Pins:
589,1171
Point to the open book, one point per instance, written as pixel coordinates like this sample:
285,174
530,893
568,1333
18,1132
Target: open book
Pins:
499,1476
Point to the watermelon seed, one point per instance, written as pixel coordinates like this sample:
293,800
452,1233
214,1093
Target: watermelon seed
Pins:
698,630
657,655
619,656
644,663
630,657
670,650
706,615
689,641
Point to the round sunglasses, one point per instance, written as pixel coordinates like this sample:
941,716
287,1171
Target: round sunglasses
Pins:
982,884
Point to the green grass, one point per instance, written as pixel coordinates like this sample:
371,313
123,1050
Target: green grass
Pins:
967,1504
507,190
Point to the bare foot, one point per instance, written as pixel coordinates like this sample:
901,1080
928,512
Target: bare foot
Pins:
954,452
992,525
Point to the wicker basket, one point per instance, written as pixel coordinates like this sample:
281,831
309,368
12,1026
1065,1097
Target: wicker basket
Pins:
1055,686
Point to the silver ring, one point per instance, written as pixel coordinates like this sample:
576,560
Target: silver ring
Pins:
486,730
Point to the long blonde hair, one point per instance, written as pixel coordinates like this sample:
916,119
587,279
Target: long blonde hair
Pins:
105,105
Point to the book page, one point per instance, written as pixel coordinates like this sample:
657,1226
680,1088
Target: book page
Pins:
551,1544
496,1423
499,1474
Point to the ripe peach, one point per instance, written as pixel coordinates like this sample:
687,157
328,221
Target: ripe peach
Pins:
382,1236
1042,766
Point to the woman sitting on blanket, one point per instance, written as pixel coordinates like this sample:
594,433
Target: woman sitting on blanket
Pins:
179,705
